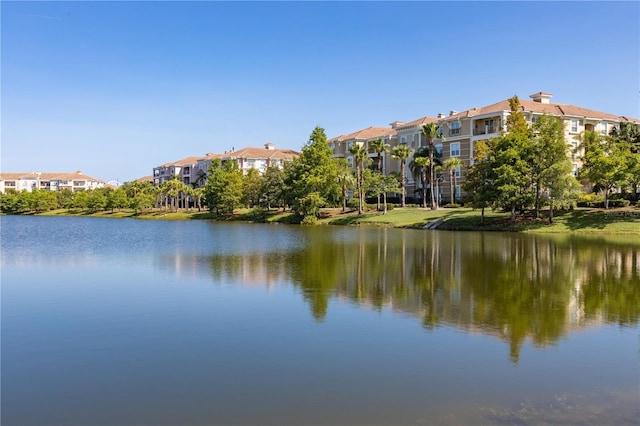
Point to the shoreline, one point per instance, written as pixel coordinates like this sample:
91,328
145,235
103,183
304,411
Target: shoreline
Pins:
621,221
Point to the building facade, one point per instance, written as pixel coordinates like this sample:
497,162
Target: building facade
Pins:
462,130
30,181
193,170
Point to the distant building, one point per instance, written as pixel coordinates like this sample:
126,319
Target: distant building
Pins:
28,181
193,170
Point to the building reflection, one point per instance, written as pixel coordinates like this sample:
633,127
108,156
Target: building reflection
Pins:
514,287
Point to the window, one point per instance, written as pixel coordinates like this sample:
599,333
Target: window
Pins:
11,183
438,147
457,172
78,183
604,128
454,149
534,118
403,140
455,128
574,126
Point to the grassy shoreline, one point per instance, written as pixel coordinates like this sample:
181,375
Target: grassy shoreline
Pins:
624,221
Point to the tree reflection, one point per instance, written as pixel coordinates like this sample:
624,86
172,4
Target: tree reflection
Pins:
515,287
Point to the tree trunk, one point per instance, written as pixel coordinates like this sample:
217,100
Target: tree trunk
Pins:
512,219
384,196
432,180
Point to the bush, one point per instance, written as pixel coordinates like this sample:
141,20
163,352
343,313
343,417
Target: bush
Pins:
591,200
451,206
309,220
619,203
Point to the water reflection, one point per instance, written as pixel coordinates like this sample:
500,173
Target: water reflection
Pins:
513,287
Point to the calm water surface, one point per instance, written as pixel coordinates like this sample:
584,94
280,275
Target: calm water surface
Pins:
128,322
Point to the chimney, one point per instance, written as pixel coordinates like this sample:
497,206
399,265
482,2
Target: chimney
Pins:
269,146
396,124
441,115
452,112
541,97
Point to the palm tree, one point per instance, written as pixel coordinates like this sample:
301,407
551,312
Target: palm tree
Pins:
359,153
430,132
423,163
345,180
379,147
452,164
401,153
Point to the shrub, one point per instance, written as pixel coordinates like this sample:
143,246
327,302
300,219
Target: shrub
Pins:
309,220
619,203
451,206
591,200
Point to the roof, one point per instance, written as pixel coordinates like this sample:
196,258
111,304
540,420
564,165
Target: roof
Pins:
261,153
48,176
365,134
541,108
418,123
145,179
184,162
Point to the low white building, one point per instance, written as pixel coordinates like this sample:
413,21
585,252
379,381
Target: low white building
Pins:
28,181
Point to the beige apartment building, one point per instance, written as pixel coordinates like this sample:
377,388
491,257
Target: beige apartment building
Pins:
29,181
193,170
461,130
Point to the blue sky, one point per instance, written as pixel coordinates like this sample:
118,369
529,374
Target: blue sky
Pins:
116,88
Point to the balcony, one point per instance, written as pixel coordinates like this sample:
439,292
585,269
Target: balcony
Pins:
486,130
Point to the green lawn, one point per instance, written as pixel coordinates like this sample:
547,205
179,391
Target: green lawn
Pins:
591,221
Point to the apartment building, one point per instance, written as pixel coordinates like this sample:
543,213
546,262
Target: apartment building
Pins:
461,130
29,181
184,169
343,143
193,170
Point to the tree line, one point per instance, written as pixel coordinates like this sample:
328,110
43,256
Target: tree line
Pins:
526,168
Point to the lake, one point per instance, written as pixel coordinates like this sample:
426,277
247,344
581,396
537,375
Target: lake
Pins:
132,322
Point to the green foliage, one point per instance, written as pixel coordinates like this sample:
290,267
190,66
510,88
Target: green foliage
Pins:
401,153
224,188
251,188
309,220
314,172
273,188
605,162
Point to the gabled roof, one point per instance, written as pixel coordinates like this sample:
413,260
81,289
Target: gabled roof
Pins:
44,176
372,132
540,108
417,123
184,162
262,154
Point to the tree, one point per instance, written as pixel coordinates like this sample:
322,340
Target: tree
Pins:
97,200
382,185
273,189
252,188
117,199
479,179
223,190
563,188
452,164
604,162
548,152
401,153
511,156
345,178
431,131
423,164
379,147
313,172
359,153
